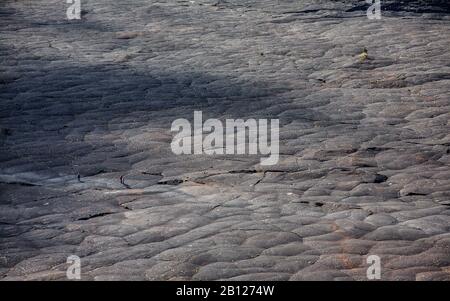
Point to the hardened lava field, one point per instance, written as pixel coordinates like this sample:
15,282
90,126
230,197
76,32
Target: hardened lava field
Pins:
86,167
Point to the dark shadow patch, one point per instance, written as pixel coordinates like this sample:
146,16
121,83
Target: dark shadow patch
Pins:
412,6
380,178
94,216
173,182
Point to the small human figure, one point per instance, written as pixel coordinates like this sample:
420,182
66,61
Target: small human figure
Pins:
364,55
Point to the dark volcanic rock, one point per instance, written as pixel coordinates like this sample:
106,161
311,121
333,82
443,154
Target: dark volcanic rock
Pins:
86,166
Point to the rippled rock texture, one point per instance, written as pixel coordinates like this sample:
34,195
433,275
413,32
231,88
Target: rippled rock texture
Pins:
365,146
